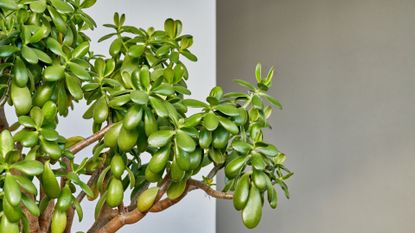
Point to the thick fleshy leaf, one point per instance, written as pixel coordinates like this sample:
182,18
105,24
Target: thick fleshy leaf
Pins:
29,55
9,4
31,205
229,125
139,97
210,121
185,142
20,72
27,138
136,50
194,103
12,191
26,184
44,57
269,150
54,73
245,84
62,7
81,50
257,161
160,138
74,87
272,100
7,50
227,109
158,107
79,71
54,46
241,147
258,72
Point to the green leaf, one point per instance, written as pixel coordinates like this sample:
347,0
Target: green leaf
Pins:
188,55
26,184
79,71
20,72
54,46
106,37
145,77
74,87
31,205
227,109
160,138
29,55
78,209
21,98
62,7
210,121
7,50
39,34
54,73
115,47
139,97
44,57
258,73
193,120
241,147
9,4
27,121
119,101
57,20
194,103
185,142
257,161
11,190
88,3
269,150
229,125
27,138
169,27
272,100
81,50
164,89
158,107
50,134
245,84
38,6
136,50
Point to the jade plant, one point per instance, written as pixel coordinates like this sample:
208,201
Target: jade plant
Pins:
144,143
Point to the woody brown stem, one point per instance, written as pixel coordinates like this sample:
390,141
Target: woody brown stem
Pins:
88,141
135,215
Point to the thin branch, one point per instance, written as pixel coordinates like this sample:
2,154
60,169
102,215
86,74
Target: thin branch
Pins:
74,149
213,172
135,215
5,97
91,181
88,141
210,191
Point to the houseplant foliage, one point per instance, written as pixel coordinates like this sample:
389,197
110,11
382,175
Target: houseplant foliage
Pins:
137,106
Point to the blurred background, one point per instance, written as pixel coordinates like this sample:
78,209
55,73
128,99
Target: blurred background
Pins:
346,77
345,73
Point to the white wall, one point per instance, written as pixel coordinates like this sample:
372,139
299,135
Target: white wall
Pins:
196,213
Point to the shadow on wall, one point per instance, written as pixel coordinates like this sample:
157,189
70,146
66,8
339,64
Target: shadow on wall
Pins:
346,76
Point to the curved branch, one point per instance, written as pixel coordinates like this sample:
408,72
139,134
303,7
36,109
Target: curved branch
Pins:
210,191
135,215
91,139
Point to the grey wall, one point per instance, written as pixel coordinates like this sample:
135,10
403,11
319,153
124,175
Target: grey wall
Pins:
346,76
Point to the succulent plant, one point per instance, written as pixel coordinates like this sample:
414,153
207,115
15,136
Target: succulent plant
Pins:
137,99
